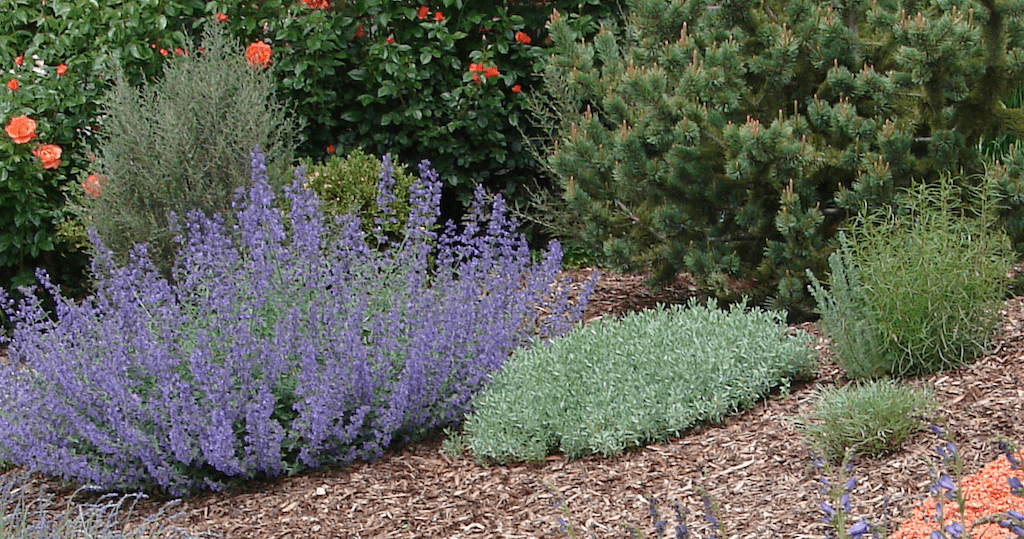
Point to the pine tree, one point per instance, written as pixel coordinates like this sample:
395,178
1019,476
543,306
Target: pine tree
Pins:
732,138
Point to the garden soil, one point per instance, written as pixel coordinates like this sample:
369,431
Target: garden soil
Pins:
756,467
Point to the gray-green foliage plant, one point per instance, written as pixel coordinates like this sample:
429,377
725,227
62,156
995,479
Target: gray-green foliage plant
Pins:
873,418
349,185
730,139
618,384
917,288
182,144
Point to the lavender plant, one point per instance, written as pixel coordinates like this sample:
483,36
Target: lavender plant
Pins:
27,512
272,349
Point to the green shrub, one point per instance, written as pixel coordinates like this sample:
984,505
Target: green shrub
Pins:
89,38
917,288
730,140
350,185
615,385
182,144
873,418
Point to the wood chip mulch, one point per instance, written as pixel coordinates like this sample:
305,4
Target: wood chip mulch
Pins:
756,467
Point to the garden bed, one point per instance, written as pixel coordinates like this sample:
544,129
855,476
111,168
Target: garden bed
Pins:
756,466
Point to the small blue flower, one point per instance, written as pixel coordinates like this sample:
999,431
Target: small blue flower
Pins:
955,530
946,482
858,529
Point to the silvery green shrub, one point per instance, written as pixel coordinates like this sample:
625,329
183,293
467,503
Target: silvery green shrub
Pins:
611,386
272,349
182,143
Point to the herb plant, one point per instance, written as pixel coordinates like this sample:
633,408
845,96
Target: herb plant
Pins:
917,288
873,418
615,385
272,349
182,144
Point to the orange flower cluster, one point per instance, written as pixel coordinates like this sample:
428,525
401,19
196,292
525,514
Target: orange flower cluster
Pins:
49,154
258,54
22,129
92,186
488,72
424,11
985,493
62,70
19,60
12,84
516,88
222,17
317,4
438,16
523,37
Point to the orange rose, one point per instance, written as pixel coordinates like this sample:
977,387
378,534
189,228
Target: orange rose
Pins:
258,54
12,84
19,60
523,38
49,154
92,186
222,17
164,52
476,68
61,70
516,89
424,11
438,16
492,72
22,129
330,149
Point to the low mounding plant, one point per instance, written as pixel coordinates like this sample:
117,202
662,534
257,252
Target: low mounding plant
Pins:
272,349
917,288
27,512
349,185
182,144
874,418
615,385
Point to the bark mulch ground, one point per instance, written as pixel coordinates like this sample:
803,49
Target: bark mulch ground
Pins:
756,466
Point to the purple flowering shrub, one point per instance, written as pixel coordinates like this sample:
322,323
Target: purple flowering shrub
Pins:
281,343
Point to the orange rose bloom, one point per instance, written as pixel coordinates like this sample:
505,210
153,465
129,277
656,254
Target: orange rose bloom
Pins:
424,11
62,70
316,4
438,16
516,89
523,38
222,17
92,186
12,84
49,154
492,72
258,54
19,60
330,149
163,52
476,68
22,129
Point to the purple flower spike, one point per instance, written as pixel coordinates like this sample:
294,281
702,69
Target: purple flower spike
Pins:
1015,515
850,483
937,430
935,535
279,345
946,482
955,530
